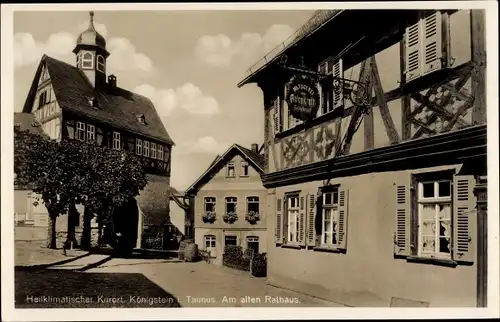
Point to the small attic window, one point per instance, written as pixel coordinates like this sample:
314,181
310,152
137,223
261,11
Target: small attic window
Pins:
88,60
141,119
93,102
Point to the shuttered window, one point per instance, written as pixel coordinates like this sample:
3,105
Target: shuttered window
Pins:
331,93
279,216
423,46
311,221
435,220
277,119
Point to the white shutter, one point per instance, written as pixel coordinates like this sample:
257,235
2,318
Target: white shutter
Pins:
276,116
311,221
413,47
432,48
279,218
302,221
463,218
343,214
402,234
338,71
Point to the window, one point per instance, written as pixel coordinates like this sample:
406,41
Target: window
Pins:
160,152
293,219
87,60
423,46
42,99
80,131
210,245
253,204
116,140
231,204
253,243
100,63
58,128
230,240
210,204
331,96
434,218
90,132
138,146
244,169
230,170
153,150
330,218
146,149
78,60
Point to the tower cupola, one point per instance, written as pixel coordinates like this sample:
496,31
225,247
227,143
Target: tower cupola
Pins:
91,54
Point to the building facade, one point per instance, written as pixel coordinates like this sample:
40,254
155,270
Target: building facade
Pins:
82,103
230,203
375,138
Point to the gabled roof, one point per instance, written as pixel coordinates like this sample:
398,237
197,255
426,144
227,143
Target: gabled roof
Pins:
27,121
254,159
317,20
118,108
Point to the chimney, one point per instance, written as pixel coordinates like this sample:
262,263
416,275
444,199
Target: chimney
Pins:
255,147
112,81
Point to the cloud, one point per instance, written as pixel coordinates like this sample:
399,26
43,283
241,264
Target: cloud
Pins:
222,51
203,145
123,54
187,97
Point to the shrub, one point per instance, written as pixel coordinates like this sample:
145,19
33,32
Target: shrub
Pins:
152,243
259,265
233,257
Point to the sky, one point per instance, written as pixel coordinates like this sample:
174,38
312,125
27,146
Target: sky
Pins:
187,62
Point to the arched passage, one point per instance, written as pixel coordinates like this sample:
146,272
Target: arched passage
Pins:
125,221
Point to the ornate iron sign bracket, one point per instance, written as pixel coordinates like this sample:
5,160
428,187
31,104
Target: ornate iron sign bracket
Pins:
355,91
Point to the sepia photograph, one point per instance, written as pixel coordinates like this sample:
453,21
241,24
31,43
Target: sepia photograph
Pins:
291,157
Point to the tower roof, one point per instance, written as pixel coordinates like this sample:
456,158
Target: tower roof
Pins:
91,37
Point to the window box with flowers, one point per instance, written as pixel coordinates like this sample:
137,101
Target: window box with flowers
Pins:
252,217
230,216
209,217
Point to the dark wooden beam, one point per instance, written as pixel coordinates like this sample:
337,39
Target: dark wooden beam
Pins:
382,105
405,100
368,126
481,192
478,54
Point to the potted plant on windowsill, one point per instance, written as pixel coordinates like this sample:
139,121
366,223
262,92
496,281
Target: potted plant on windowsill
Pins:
230,217
209,217
252,217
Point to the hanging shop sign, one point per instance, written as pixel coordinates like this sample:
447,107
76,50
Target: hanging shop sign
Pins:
303,97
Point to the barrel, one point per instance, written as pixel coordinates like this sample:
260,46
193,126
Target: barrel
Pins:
191,252
182,246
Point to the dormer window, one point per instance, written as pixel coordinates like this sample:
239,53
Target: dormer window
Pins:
141,119
100,63
88,60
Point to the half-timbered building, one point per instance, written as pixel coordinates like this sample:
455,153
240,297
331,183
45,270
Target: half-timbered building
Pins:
79,102
375,140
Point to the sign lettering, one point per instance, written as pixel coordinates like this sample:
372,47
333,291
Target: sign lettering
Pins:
302,97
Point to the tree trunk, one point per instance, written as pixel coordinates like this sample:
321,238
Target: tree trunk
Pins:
51,231
71,238
86,235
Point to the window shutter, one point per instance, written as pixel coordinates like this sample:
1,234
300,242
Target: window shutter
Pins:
413,48
432,48
302,222
343,214
276,117
285,221
403,224
279,217
48,97
311,231
463,218
337,93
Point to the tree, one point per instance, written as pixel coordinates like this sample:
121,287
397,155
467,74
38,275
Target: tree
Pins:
45,167
113,177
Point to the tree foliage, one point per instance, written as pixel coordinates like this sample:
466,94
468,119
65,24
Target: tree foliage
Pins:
72,172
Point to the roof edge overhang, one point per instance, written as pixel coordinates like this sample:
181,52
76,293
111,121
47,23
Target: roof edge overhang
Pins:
295,43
